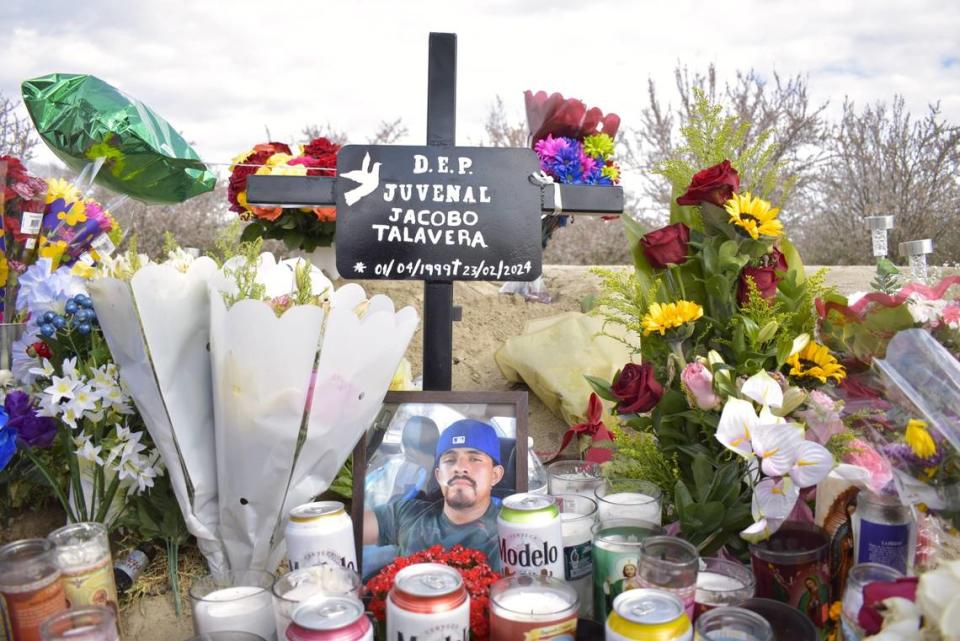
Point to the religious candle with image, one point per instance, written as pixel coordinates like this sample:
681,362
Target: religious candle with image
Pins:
792,566
616,560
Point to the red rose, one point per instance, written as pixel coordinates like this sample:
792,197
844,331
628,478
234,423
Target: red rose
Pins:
323,154
636,389
712,185
41,349
766,277
666,246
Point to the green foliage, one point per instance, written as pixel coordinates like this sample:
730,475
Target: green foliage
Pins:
623,301
342,485
638,456
709,137
297,229
228,243
245,275
888,279
713,504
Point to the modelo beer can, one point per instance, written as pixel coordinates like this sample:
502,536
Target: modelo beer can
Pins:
531,535
648,615
428,602
320,533
330,618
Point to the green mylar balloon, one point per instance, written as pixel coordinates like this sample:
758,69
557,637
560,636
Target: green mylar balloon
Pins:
82,118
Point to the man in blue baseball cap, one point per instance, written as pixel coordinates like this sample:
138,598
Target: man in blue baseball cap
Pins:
467,466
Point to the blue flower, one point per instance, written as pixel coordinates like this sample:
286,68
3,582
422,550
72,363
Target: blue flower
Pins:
41,290
565,167
8,440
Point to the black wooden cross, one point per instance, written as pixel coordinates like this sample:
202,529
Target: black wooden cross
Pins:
352,245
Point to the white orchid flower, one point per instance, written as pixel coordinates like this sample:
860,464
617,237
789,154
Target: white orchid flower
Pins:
763,389
773,500
737,423
812,464
777,444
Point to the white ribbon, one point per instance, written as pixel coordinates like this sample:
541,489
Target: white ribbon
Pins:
542,178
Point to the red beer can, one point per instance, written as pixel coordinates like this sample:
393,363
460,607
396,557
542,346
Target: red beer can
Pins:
330,618
428,601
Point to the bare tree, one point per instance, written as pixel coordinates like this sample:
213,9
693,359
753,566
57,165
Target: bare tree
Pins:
388,132
883,161
16,131
336,136
780,105
500,131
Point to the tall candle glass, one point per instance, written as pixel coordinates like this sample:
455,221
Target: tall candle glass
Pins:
578,514
293,588
533,607
722,583
884,531
616,560
90,623
235,601
670,563
859,577
629,499
574,477
30,586
788,623
83,554
793,566
726,624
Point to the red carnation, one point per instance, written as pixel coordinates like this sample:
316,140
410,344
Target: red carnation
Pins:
712,185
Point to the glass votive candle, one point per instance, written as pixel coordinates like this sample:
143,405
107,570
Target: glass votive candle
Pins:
578,514
574,477
670,563
788,623
89,623
533,607
83,554
238,601
629,499
793,566
722,583
859,577
726,624
30,587
227,636
293,588
616,560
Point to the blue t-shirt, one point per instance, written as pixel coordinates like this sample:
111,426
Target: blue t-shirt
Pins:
416,525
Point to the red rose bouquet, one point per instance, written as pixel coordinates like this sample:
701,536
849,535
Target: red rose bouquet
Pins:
472,565
304,228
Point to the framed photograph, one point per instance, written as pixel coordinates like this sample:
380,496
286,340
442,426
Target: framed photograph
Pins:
433,469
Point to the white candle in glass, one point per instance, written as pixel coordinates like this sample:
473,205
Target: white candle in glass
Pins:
531,606
630,505
241,609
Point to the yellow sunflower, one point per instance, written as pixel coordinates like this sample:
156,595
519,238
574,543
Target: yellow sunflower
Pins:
60,188
754,215
919,439
815,361
663,317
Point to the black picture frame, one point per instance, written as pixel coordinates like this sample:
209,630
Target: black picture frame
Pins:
478,405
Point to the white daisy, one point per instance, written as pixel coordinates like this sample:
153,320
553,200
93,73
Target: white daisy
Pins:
61,388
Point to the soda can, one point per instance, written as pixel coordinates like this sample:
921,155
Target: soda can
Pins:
645,614
320,533
428,601
531,535
330,618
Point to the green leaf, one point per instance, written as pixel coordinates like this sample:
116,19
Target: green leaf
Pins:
703,474
601,387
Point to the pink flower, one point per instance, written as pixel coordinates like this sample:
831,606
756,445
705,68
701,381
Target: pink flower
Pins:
822,418
697,382
549,147
864,455
951,315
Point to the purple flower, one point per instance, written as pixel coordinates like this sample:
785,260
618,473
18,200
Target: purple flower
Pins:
548,148
8,441
902,455
33,430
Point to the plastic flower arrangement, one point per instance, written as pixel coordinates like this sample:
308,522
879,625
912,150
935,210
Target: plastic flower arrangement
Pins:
75,402
472,566
304,228
722,314
75,228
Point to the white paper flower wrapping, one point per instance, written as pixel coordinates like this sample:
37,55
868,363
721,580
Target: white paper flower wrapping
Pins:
157,328
263,379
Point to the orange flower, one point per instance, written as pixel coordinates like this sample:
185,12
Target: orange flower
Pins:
267,213
325,214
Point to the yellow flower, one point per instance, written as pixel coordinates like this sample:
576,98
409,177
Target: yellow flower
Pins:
663,317
76,215
4,270
60,188
816,361
82,270
754,215
54,251
919,439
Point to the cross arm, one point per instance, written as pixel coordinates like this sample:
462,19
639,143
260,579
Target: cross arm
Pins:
311,191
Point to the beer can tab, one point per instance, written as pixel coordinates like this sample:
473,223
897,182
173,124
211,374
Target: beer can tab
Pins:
30,223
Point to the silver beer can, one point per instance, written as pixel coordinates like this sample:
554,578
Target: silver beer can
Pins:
320,533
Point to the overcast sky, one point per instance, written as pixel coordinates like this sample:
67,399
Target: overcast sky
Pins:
222,72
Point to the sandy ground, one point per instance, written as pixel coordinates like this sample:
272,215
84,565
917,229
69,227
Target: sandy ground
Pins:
488,320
